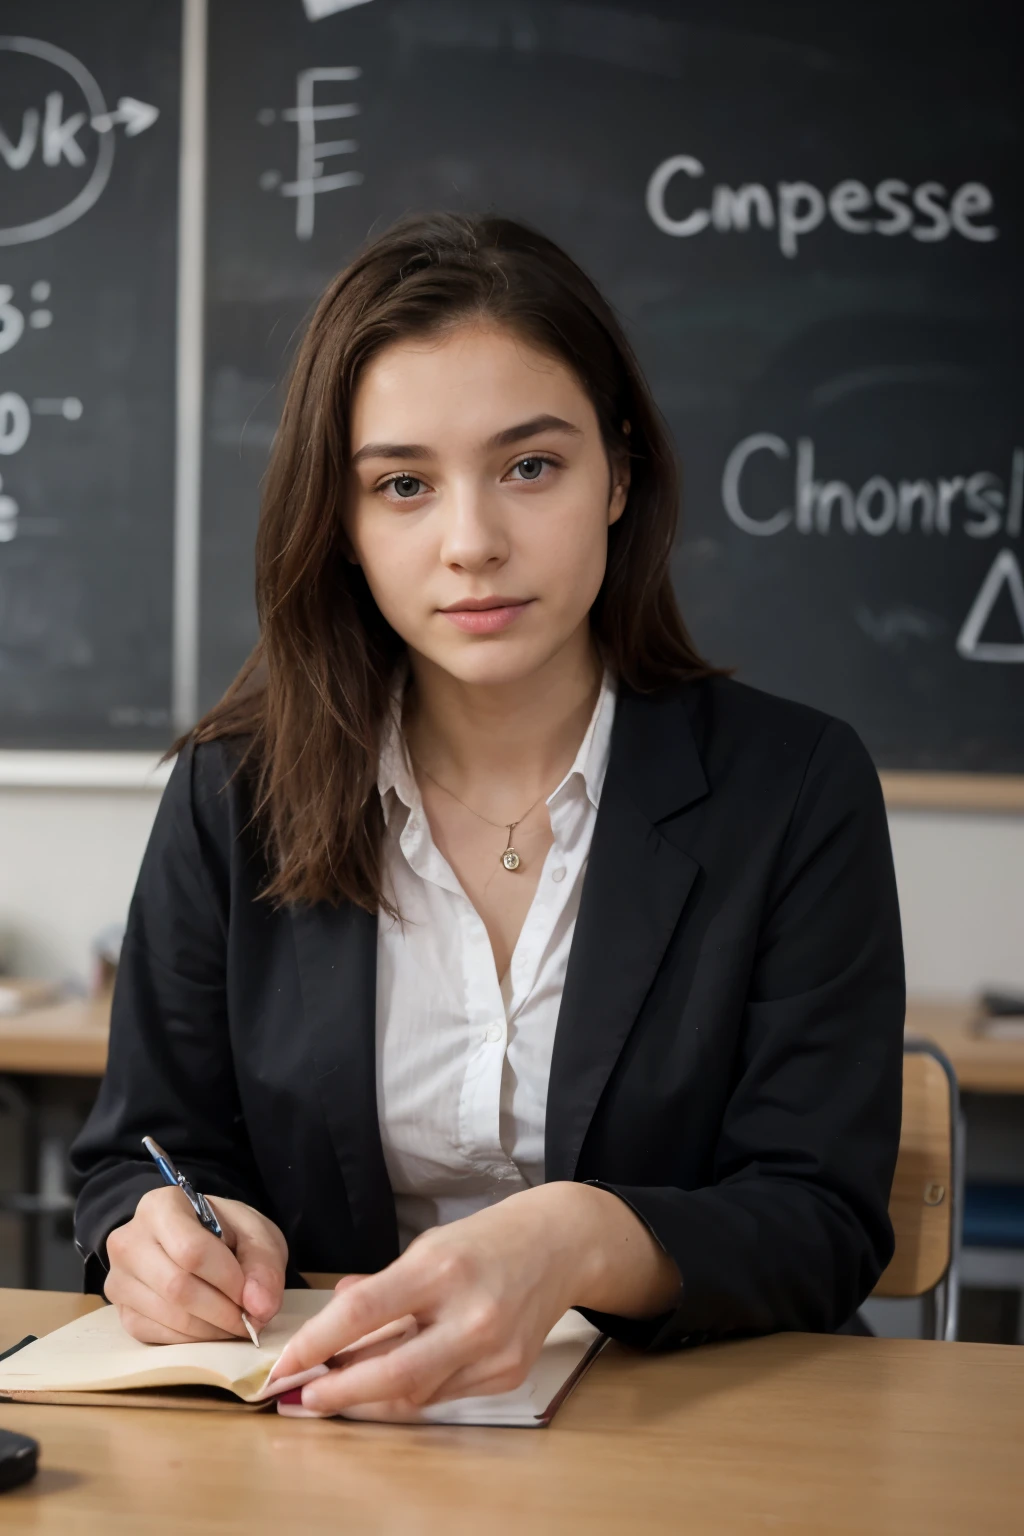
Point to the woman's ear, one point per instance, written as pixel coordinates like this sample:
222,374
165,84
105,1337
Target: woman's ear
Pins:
344,515
620,487
347,548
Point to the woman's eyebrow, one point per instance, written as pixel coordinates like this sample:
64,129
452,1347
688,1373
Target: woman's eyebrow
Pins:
502,439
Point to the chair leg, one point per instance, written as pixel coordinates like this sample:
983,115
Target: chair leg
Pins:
931,1316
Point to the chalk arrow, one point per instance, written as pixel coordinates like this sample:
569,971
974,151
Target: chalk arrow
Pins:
136,116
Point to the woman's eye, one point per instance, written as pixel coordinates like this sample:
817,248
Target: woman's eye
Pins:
405,485
531,468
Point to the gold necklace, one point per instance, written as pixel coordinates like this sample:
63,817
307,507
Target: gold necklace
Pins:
510,858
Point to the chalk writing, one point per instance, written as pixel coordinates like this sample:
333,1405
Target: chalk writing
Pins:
928,212
981,504
309,181
17,413
72,130
316,10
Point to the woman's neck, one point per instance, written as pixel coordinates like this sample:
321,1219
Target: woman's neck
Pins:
497,745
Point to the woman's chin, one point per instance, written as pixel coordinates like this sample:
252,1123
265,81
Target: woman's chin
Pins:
493,663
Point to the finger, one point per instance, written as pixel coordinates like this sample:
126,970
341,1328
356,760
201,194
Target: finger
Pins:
125,1290
474,1381
262,1263
147,1331
193,1248
155,1269
398,1412
348,1317
411,1373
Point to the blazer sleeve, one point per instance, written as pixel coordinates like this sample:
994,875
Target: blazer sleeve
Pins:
170,1072
794,1231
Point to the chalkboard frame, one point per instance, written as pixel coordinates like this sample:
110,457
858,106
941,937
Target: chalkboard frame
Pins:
995,793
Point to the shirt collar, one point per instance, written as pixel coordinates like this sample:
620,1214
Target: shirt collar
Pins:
395,770
591,761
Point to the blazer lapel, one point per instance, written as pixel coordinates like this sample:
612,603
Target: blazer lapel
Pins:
636,884
337,953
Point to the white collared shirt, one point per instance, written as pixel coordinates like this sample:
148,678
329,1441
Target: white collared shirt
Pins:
463,1059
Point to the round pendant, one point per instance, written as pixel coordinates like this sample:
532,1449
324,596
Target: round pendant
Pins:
510,859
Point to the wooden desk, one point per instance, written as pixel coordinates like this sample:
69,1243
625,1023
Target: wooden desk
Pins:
67,1039
798,1433
982,1065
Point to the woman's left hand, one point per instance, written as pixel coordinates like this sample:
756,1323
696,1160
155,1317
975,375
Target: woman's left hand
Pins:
484,1292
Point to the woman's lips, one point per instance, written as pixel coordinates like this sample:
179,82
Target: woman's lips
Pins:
485,621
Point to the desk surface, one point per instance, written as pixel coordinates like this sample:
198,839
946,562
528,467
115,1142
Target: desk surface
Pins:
72,1038
66,1039
982,1065
799,1433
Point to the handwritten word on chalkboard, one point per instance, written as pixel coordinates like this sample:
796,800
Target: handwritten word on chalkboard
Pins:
795,209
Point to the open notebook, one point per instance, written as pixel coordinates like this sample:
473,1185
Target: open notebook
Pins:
94,1361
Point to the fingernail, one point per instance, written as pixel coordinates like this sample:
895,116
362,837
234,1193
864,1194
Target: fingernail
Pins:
289,1406
311,1400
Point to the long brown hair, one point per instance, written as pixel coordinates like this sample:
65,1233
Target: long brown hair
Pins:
312,698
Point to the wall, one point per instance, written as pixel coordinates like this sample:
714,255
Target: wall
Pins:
961,881
68,860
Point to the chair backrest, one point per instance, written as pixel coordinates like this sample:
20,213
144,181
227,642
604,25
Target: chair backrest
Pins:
925,1203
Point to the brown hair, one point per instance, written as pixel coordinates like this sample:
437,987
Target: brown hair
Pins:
312,697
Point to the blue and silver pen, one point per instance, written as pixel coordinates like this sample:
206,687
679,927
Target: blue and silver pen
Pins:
198,1202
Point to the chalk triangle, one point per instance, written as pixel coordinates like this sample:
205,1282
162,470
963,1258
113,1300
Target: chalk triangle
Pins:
1005,572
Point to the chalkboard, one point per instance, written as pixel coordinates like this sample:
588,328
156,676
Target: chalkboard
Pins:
89,129
808,217
810,220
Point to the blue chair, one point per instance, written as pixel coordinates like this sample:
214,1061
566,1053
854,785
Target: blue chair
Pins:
992,1255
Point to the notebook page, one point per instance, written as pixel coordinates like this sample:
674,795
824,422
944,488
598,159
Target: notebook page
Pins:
94,1353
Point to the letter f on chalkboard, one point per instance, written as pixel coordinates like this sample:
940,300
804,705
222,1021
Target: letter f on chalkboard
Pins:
309,184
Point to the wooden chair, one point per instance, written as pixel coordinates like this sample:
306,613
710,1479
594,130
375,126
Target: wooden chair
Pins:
927,1192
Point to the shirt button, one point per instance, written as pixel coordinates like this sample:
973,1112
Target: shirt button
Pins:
494,1032
559,873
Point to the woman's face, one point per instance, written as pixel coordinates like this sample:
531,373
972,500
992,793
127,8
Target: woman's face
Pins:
480,500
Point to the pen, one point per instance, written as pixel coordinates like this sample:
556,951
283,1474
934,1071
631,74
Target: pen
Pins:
198,1202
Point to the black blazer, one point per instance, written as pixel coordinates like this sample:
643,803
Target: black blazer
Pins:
729,1043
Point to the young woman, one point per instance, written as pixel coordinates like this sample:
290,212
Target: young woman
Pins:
489,946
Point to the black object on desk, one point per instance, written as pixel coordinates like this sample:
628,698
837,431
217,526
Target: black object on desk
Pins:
1003,1005
19,1459
19,1456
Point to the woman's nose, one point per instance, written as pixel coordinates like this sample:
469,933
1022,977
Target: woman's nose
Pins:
474,534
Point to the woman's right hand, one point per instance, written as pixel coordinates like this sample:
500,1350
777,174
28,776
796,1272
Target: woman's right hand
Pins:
173,1282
